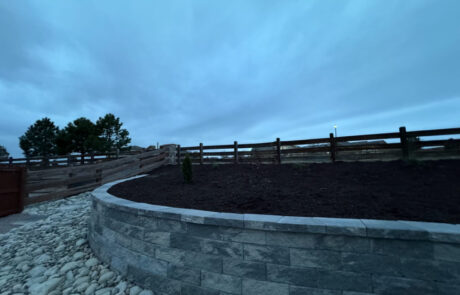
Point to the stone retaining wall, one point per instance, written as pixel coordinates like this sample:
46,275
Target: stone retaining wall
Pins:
193,252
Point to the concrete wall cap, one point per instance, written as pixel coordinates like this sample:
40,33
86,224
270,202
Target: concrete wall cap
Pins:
405,230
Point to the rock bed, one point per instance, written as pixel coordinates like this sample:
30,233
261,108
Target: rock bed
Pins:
52,256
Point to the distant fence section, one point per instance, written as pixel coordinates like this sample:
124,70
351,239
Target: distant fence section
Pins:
55,183
12,190
39,163
370,147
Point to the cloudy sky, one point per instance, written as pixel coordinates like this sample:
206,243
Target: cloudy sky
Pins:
217,71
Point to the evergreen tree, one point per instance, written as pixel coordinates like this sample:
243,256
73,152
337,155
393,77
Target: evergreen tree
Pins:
80,136
111,135
3,152
39,139
187,169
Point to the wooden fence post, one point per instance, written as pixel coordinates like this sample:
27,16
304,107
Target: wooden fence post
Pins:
24,193
45,161
118,153
92,157
69,176
201,153
332,146
235,152
278,150
99,176
10,161
178,154
404,146
69,160
27,161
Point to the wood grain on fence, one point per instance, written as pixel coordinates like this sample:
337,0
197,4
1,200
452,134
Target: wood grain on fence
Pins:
51,184
40,162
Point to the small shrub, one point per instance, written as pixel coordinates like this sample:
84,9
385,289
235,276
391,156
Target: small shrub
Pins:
187,169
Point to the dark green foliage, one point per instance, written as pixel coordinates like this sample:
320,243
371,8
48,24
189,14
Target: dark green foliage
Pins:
187,169
111,136
40,139
3,152
82,136
79,136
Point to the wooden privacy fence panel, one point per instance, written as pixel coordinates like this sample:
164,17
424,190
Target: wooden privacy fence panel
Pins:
39,163
343,148
11,190
50,184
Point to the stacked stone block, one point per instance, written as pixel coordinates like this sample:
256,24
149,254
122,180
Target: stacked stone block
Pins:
192,252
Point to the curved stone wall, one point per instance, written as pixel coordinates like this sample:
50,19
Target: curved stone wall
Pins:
193,252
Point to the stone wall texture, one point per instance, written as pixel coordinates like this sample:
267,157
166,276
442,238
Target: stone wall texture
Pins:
192,252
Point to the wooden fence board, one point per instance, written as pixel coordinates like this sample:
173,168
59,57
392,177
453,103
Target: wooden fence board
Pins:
150,154
367,137
153,160
304,141
218,153
255,145
305,150
55,183
120,168
369,147
152,166
209,147
215,147
437,142
447,131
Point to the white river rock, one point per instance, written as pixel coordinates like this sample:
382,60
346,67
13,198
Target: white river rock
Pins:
52,256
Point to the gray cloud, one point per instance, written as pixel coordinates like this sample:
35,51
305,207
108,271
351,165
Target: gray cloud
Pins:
191,71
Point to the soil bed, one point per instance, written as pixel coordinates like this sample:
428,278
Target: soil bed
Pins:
418,191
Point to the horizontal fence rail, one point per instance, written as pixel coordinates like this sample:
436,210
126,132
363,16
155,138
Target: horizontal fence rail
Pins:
344,148
65,160
49,184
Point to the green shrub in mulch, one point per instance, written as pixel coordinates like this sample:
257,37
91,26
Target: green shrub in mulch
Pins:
187,169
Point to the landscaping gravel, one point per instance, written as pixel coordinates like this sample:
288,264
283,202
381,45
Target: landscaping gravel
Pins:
52,255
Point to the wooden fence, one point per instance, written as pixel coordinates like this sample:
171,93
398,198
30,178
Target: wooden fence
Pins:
62,181
12,190
38,163
49,184
407,145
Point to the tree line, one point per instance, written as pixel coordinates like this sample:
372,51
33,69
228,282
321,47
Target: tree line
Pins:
45,139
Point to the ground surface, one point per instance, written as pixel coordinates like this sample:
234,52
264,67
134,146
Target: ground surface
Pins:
9,222
50,254
423,191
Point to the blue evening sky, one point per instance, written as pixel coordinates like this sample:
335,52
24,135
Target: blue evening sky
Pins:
217,71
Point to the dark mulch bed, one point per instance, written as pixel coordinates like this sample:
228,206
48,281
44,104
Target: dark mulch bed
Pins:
421,191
